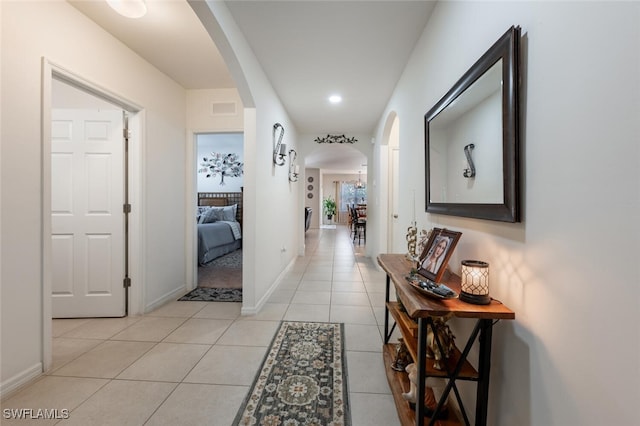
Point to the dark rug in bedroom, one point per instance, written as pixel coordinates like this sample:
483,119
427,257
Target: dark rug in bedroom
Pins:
223,272
214,295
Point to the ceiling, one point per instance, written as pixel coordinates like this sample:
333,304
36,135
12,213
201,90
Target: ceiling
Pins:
308,49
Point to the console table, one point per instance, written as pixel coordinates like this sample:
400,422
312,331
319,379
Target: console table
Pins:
421,308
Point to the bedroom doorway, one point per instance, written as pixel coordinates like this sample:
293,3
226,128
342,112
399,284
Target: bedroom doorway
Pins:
219,210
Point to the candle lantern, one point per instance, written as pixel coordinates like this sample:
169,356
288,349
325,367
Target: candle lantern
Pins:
475,282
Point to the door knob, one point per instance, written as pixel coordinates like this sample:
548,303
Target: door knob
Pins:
395,216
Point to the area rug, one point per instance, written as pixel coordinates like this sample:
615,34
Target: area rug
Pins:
303,379
223,272
214,295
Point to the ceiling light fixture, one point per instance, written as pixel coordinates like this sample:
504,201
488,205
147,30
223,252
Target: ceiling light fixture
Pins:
359,184
335,99
129,8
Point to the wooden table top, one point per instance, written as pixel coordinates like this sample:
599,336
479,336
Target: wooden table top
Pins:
419,305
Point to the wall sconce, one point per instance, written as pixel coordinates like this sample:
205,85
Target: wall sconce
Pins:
294,169
279,148
475,282
470,171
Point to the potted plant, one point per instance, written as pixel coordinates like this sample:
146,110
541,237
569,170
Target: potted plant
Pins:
329,207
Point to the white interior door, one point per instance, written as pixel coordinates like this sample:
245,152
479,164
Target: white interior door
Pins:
87,219
394,185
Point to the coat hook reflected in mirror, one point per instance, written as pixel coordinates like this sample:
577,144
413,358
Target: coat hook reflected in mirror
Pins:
279,148
470,171
294,169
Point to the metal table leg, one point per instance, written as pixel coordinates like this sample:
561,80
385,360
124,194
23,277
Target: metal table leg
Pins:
484,368
422,369
387,335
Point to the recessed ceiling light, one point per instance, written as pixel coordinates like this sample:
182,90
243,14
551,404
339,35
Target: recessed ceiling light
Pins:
335,99
129,8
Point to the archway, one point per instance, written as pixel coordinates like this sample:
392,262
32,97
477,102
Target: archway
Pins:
329,165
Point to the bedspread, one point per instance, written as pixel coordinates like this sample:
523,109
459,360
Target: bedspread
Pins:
216,239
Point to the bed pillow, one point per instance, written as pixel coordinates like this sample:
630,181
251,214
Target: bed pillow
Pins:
210,215
229,213
213,214
199,211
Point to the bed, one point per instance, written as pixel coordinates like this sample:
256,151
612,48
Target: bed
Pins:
219,218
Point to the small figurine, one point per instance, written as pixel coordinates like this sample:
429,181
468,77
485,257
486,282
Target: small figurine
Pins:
412,234
432,392
422,242
445,337
402,356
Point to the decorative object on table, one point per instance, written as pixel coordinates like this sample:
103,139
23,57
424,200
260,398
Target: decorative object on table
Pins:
413,250
329,207
475,282
402,358
302,380
435,256
410,396
470,171
430,288
440,344
412,237
279,148
422,242
335,139
431,399
221,164
294,169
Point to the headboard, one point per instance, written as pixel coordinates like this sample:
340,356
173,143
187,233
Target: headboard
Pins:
222,199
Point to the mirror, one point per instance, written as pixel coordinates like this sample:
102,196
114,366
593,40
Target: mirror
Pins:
472,139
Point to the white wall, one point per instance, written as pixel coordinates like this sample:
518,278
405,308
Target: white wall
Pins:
315,202
214,109
219,143
570,269
481,126
273,219
58,32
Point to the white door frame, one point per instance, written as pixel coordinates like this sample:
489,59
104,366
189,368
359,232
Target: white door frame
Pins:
136,183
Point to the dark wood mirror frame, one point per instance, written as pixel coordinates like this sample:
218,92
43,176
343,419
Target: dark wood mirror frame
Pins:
506,48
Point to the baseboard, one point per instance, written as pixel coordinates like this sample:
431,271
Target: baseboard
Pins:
20,380
253,310
168,297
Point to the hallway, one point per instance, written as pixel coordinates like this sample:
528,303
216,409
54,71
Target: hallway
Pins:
191,363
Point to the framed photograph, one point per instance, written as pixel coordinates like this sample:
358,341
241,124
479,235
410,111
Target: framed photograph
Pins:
435,256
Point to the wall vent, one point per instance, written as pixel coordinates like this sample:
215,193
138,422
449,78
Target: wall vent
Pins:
223,108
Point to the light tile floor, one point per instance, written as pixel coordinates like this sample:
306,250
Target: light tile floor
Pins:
191,363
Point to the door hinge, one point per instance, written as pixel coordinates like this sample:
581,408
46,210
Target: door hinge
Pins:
126,208
126,133
126,282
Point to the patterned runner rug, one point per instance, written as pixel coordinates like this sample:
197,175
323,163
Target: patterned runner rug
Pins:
303,379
